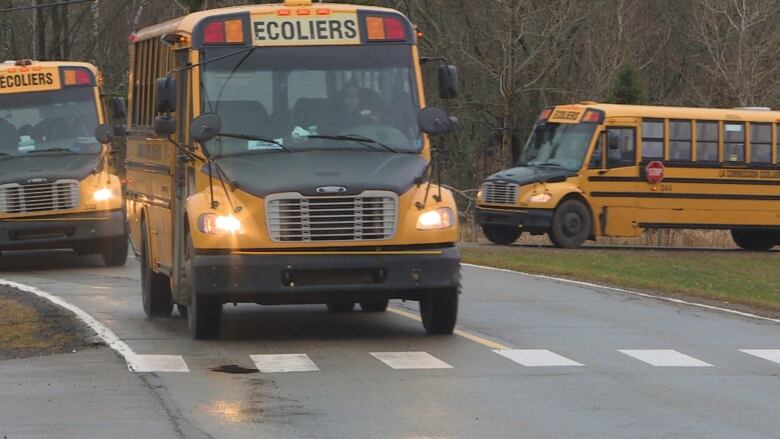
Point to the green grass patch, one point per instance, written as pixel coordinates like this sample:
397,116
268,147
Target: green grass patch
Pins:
751,279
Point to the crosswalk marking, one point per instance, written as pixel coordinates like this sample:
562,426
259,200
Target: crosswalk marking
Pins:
664,358
157,363
410,360
772,355
284,363
536,358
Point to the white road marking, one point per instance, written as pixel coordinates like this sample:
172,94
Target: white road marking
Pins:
664,358
475,338
622,290
772,355
536,358
284,363
102,331
158,363
410,360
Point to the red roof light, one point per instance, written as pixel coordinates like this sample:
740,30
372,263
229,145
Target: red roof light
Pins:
214,32
394,29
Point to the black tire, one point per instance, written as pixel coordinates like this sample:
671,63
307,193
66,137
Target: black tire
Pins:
340,306
439,311
155,287
204,313
571,224
115,252
501,235
753,240
375,305
182,310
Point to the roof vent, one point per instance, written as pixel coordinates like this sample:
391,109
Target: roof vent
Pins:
23,62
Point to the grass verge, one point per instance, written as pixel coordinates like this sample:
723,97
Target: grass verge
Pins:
30,326
747,280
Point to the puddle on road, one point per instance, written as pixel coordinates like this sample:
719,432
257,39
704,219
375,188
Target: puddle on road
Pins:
233,369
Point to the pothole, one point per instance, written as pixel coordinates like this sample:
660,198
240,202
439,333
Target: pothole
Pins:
234,369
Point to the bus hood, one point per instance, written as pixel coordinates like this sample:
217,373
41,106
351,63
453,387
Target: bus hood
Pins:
51,167
333,172
523,175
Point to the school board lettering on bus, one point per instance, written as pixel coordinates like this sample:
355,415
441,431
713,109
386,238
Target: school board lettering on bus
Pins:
594,169
15,81
306,175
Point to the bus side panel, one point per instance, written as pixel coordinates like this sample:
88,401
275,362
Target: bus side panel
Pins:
150,164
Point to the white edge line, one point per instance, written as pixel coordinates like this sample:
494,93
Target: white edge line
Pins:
635,293
101,330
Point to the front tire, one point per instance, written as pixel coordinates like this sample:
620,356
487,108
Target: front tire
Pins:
753,240
571,225
155,287
115,252
204,313
439,311
501,235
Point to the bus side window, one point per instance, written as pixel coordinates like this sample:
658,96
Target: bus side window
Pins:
760,143
706,141
621,150
680,140
653,139
596,159
734,142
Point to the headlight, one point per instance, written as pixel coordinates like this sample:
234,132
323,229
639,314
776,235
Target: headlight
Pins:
214,224
540,198
104,194
441,218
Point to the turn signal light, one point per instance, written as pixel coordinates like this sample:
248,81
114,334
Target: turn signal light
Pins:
385,29
77,77
224,32
545,114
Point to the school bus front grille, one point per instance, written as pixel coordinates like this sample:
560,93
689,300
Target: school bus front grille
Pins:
499,193
39,197
370,216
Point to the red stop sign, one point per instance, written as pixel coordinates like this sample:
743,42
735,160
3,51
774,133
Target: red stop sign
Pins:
654,171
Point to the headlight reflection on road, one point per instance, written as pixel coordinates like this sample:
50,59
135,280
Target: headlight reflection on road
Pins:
228,410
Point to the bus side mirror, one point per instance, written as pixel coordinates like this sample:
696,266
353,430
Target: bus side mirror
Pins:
435,121
205,127
448,81
104,133
165,125
165,95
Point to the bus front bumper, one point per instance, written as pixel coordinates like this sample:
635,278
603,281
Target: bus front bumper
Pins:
280,279
74,231
530,220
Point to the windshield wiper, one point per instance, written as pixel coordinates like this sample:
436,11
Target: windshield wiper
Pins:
50,150
367,141
251,137
7,156
556,164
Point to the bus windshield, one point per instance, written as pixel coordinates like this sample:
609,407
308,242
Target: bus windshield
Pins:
293,97
52,121
559,145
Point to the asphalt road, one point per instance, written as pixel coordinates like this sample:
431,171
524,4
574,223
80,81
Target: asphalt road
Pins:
580,362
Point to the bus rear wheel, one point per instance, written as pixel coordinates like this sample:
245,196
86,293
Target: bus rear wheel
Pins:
501,235
155,288
439,311
204,314
571,224
753,240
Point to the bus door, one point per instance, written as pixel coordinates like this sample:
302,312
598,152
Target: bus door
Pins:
612,178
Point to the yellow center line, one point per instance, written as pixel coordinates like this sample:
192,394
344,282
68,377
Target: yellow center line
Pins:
473,337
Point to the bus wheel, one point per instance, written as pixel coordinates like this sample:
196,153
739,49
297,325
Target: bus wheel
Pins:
753,240
115,252
155,288
204,314
439,311
182,310
376,305
501,235
571,224
341,306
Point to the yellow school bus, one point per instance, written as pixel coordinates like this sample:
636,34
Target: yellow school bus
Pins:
57,186
593,169
276,155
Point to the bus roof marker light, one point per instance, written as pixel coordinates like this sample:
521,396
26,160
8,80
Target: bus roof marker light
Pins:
214,32
394,29
375,27
303,11
323,11
284,12
234,30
